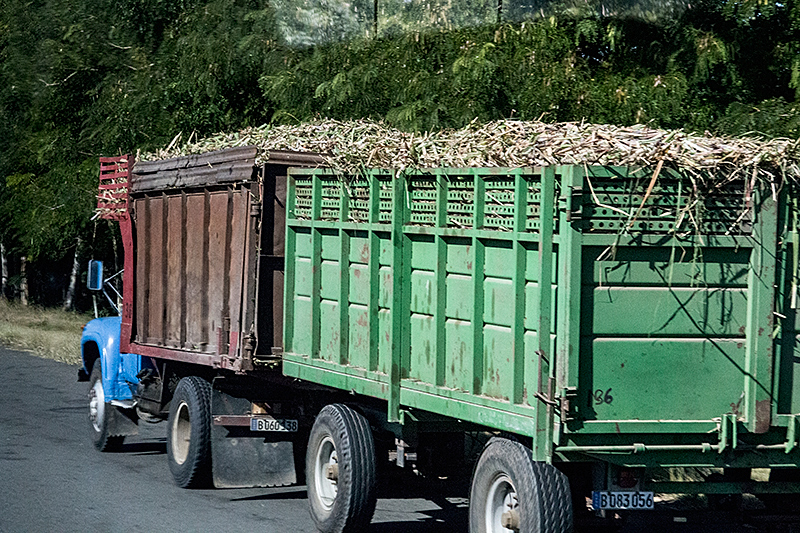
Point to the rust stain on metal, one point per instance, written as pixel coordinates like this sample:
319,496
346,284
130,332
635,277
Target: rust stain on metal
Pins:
359,341
234,342
763,415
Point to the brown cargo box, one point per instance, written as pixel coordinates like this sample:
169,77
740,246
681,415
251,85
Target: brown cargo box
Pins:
206,229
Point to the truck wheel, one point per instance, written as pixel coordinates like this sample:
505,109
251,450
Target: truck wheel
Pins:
189,433
340,470
99,413
510,492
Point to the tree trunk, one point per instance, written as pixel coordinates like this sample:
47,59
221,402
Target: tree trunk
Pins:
73,277
3,271
23,280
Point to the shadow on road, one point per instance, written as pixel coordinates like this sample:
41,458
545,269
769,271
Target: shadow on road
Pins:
158,447
297,493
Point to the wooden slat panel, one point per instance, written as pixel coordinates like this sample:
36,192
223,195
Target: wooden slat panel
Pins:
155,285
218,235
142,212
175,248
238,219
196,273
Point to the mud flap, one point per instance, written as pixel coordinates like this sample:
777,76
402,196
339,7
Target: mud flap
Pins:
242,458
121,422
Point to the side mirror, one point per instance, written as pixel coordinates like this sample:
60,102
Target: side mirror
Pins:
94,278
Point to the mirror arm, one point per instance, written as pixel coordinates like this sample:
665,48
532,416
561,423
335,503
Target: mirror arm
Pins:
110,301
114,276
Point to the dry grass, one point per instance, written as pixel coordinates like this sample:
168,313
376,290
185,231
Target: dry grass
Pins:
48,333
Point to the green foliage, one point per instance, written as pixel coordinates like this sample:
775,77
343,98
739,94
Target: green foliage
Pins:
48,210
557,71
79,79
686,72
770,118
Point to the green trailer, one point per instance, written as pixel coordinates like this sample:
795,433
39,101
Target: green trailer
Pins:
579,315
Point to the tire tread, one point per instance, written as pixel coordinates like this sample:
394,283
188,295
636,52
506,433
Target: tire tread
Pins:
541,485
104,440
196,471
357,470
555,497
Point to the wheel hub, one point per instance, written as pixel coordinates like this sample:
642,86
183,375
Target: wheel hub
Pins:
510,520
181,434
326,473
332,472
502,506
97,405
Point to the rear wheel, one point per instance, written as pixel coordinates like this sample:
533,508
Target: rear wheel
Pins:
510,492
100,413
189,433
340,470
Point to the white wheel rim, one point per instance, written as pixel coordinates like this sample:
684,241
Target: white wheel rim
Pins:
97,405
501,498
181,433
326,489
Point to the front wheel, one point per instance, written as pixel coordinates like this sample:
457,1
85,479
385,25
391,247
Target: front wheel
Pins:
511,492
189,433
340,470
100,413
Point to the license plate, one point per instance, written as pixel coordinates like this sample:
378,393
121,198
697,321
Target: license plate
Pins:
273,424
622,500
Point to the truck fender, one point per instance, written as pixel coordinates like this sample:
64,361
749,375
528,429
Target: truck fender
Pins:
100,339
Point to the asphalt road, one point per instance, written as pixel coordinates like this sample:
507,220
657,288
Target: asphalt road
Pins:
53,480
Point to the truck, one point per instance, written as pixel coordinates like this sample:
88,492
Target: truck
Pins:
589,327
